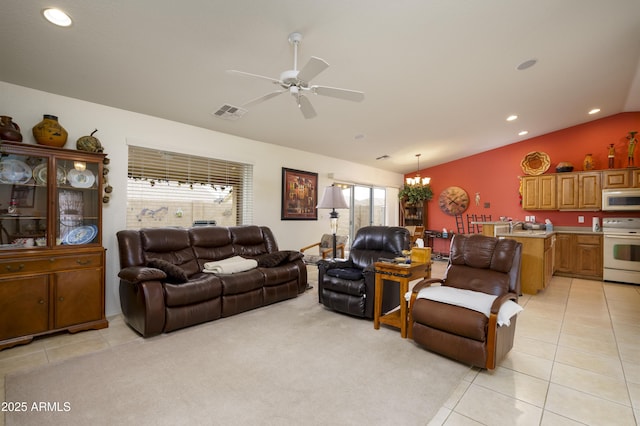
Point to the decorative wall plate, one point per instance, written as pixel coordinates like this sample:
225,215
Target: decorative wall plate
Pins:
81,235
80,179
40,174
535,163
14,171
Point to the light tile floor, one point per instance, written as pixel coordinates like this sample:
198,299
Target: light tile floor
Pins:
576,360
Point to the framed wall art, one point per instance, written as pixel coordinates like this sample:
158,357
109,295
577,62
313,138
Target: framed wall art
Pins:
24,195
299,195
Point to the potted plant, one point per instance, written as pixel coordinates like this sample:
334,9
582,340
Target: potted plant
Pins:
415,194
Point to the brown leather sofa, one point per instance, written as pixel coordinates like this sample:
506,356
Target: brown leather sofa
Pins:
163,288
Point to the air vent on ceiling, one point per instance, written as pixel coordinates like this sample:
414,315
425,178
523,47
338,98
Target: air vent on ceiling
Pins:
229,112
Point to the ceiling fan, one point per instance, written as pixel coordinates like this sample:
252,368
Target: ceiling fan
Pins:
296,82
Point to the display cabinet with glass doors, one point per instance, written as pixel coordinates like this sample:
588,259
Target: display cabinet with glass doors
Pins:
51,255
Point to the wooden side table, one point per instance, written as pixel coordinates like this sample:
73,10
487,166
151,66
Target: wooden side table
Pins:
402,275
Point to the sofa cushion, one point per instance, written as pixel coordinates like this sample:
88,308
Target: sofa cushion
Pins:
270,260
346,273
175,274
199,288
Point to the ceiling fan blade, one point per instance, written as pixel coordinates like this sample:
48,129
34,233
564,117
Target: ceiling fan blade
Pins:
262,98
248,74
305,107
314,67
334,92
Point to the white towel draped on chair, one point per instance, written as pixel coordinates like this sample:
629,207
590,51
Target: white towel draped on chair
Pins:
474,300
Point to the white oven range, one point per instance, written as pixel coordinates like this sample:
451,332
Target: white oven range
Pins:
621,249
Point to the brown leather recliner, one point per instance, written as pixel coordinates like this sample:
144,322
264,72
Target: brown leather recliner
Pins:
349,286
481,264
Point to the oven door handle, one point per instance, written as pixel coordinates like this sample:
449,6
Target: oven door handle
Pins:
624,237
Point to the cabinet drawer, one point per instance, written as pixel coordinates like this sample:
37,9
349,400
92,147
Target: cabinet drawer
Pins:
49,263
588,239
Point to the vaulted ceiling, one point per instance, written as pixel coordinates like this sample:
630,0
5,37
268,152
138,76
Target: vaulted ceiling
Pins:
440,77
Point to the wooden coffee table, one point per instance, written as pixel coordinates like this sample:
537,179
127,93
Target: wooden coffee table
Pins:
401,274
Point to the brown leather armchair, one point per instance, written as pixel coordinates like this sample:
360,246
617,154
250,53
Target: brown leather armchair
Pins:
488,267
349,286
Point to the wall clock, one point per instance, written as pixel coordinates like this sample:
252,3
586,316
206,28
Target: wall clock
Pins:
453,200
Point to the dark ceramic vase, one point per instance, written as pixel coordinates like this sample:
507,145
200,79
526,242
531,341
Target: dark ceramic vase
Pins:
9,131
49,132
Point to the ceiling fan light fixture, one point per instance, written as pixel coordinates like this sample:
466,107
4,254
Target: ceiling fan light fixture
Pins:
57,17
417,180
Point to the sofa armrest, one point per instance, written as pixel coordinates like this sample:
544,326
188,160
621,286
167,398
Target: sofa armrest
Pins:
325,265
427,282
136,274
143,306
500,300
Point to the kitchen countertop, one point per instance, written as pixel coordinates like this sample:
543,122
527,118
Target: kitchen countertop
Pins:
545,234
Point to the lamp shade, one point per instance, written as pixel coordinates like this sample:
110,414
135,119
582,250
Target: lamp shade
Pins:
333,199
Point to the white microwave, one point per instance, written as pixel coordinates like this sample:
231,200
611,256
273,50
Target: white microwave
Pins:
627,199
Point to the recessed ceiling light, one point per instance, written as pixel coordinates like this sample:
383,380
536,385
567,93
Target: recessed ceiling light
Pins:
526,64
512,117
522,133
594,111
57,17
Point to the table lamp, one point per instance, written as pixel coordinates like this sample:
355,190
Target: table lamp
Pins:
333,199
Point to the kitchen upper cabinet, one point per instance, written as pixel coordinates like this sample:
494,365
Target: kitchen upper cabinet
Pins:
579,191
539,192
621,178
617,178
566,191
635,178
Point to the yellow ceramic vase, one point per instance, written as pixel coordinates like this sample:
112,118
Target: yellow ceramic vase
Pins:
49,132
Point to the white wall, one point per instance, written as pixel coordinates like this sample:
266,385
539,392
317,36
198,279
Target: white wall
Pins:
117,128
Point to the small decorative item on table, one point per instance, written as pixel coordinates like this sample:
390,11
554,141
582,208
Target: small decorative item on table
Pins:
420,254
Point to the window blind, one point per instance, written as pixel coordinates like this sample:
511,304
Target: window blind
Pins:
175,179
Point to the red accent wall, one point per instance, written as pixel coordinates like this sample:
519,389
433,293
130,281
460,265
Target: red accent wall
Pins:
494,174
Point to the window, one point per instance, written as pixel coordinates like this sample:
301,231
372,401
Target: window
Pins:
366,207
172,189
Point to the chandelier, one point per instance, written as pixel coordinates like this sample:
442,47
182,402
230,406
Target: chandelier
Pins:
417,180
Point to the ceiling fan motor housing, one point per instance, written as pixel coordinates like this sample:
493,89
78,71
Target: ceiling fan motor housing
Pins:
289,77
